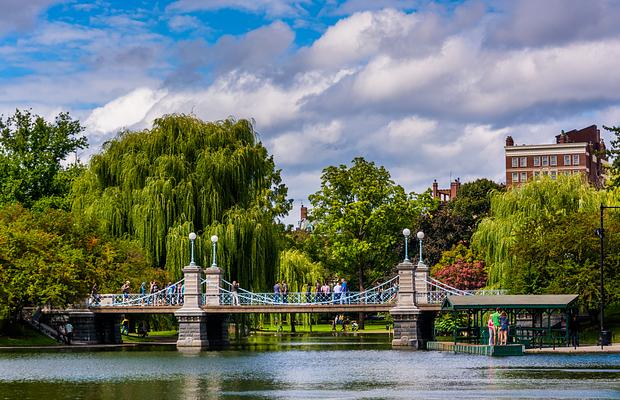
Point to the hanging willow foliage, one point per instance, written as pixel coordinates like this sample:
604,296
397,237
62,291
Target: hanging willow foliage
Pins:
185,175
527,206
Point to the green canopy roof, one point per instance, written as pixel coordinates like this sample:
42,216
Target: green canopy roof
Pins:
541,301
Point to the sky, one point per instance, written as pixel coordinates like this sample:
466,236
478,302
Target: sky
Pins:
428,89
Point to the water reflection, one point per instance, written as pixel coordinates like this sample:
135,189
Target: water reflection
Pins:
301,367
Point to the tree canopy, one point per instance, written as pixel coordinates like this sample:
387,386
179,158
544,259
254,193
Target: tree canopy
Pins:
31,155
523,216
359,214
185,175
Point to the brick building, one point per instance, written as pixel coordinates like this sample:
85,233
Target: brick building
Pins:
445,195
575,152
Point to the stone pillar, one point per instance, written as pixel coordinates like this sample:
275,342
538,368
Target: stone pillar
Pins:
421,287
192,319
406,312
212,291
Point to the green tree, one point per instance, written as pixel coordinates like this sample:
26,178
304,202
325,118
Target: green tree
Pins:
358,215
186,175
523,215
614,153
52,257
31,154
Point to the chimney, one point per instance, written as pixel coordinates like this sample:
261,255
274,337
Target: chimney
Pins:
304,212
435,188
454,188
510,141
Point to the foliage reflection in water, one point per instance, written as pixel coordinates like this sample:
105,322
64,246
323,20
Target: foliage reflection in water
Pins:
302,367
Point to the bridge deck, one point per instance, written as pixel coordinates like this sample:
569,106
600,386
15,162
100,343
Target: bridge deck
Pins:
269,309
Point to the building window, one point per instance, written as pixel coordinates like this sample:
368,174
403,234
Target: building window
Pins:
566,159
545,173
567,172
537,161
515,177
515,162
536,174
523,176
554,174
575,159
523,161
553,160
545,161
575,171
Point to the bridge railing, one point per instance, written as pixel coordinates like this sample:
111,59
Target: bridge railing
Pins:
380,294
171,295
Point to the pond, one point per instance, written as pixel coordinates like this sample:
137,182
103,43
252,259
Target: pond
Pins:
302,367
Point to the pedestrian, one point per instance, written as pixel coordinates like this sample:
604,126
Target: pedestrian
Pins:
317,291
276,293
308,293
95,299
491,331
503,328
125,327
125,290
344,288
284,291
495,317
573,330
68,332
235,293
142,292
337,292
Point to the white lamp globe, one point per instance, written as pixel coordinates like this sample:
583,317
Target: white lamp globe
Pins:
420,235
192,236
406,232
214,239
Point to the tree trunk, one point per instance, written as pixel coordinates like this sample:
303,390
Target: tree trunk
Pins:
360,316
292,318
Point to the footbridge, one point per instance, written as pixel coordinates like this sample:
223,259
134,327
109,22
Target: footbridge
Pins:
203,301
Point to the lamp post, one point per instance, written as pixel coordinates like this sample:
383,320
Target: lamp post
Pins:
420,236
600,232
406,233
214,241
192,238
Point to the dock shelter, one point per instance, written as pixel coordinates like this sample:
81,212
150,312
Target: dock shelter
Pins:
535,320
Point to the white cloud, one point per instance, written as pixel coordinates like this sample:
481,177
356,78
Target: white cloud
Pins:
123,112
270,7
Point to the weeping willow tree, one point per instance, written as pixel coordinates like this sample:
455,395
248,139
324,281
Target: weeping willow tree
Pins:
530,209
185,175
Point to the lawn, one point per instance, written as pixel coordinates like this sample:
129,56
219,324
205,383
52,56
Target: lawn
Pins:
154,336
24,335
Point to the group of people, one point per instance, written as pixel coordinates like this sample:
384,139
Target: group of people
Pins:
337,293
498,325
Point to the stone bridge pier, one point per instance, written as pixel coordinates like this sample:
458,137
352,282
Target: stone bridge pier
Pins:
413,326
198,329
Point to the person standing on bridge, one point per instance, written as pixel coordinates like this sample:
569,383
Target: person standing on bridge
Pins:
337,292
276,293
344,288
125,290
284,291
235,293
317,292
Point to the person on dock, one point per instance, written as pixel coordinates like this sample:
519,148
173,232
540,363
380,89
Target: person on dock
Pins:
495,317
491,331
503,328
235,293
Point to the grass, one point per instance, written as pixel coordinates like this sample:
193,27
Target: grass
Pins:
153,337
24,335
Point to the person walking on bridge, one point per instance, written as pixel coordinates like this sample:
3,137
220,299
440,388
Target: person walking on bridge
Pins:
235,293
276,293
125,290
284,291
344,288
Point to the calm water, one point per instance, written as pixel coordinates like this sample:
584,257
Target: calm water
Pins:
303,368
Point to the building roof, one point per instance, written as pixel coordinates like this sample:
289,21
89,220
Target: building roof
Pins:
544,301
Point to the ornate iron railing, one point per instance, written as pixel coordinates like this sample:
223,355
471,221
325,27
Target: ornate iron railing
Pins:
438,291
171,295
380,294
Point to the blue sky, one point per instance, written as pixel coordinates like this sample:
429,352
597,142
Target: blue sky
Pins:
430,89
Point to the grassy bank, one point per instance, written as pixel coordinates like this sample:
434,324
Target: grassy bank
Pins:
153,337
24,335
